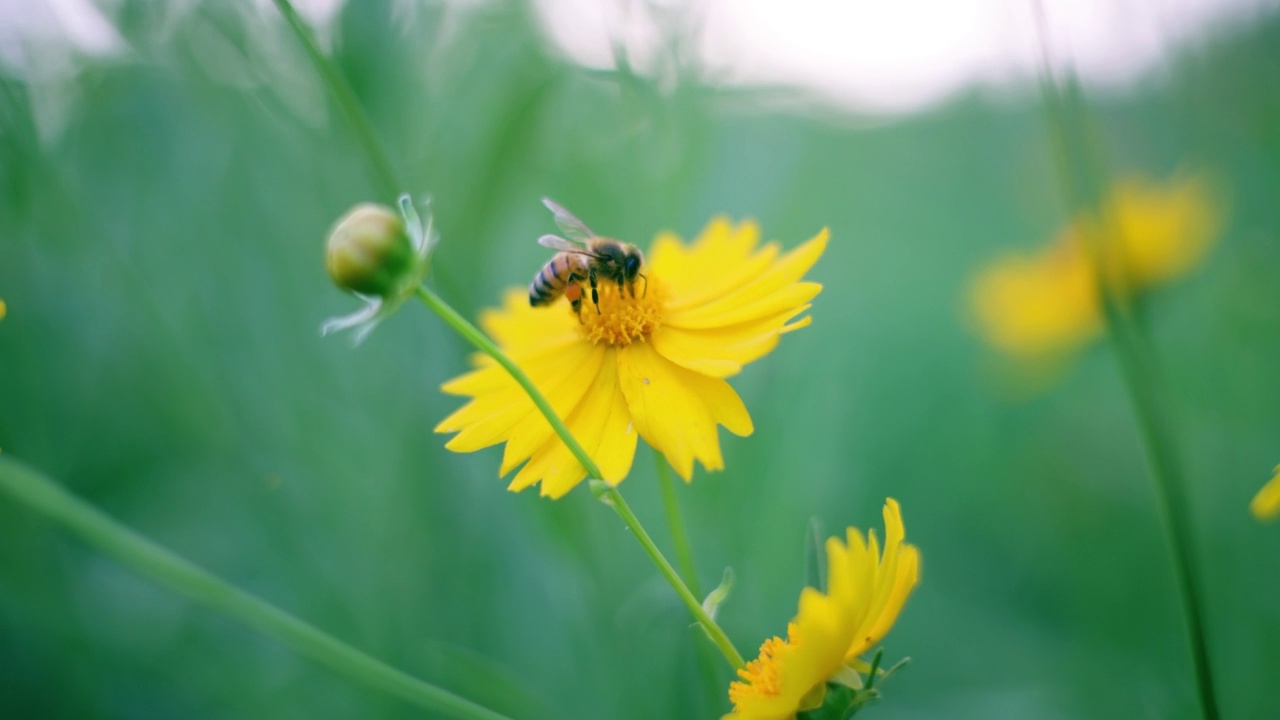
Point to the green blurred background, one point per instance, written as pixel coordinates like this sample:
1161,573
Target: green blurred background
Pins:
162,216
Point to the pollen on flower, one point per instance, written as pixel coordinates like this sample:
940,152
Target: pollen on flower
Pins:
622,319
760,676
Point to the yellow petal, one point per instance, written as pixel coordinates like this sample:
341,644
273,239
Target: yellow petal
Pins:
506,409
767,293
891,577
602,425
677,410
747,310
1266,504
721,245
520,329
722,351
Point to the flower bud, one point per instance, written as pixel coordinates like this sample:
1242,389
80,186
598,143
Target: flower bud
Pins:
369,251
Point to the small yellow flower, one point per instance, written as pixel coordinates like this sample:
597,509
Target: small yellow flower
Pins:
865,593
1266,504
652,366
1046,303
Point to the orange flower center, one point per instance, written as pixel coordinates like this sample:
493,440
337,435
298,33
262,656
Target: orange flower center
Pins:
621,319
760,676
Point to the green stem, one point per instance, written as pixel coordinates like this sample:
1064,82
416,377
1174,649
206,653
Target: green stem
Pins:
164,567
684,556
345,96
609,495
679,538
613,498
1084,182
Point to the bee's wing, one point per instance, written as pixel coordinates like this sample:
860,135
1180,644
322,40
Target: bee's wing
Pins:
568,223
555,242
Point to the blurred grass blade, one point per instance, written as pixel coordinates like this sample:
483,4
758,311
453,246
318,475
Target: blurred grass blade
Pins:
161,565
815,557
1084,183
383,173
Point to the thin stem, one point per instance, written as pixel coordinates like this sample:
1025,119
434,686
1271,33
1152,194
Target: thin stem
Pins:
684,556
1083,176
487,346
164,567
345,96
679,538
612,497
609,495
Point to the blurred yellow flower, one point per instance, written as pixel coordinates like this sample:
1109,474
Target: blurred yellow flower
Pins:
865,593
4,309
1045,303
652,366
1266,504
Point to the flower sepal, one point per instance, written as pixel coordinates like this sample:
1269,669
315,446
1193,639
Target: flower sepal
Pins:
380,258
846,692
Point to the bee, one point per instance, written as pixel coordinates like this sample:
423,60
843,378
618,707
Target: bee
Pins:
583,256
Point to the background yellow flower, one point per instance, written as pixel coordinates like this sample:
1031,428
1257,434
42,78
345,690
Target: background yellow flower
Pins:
1266,504
651,366
1045,303
865,594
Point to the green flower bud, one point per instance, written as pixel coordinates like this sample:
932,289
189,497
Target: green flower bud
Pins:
369,251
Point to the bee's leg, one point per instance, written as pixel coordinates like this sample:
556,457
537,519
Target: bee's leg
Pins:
595,295
646,286
573,291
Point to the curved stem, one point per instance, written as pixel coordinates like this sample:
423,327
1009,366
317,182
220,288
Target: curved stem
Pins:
345,96
609,495
684,556
166,568
679,538
613,498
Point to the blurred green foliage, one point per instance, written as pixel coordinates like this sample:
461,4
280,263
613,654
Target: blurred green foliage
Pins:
161,256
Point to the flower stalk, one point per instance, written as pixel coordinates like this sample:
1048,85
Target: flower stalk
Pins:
679,538
688,568
607,494
1083,181
180,575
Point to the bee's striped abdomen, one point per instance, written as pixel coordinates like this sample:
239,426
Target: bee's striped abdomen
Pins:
551,280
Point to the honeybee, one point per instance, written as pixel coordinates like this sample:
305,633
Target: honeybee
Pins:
583,256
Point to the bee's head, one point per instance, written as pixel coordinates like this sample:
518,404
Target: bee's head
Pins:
631,263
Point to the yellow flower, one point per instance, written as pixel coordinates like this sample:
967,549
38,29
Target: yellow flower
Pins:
4,309
1266,504
652,366
865,593
1045,303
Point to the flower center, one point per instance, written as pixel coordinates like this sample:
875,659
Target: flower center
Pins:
621,319
760,676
